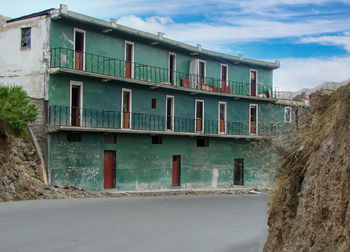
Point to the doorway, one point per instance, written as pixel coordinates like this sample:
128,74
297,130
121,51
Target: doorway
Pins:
170,113
238,176
79,49
126,109
199,115
201,73
253,77
253,119
75,102
172,68
109,169
222,117
129,58
176,170
223,76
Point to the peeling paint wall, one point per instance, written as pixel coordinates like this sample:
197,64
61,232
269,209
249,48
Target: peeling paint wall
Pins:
141,165
27,67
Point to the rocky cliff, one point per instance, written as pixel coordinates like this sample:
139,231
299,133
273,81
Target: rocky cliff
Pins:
310,208
19,173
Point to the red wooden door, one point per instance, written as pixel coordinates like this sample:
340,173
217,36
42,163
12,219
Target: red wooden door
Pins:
176,171
108,169
128,60
199,124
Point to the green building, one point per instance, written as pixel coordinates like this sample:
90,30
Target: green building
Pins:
125,109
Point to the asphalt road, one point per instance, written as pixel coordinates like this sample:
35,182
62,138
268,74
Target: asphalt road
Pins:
176,223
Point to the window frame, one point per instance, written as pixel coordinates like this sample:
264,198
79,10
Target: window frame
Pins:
127,42
30,38
257,119
225,121
221,65
290,114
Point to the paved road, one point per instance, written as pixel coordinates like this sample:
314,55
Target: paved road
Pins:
176,223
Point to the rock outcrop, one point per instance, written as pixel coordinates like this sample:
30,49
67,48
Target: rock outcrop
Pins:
310,209
19,174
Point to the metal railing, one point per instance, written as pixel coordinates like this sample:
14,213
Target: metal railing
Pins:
93,63
112,119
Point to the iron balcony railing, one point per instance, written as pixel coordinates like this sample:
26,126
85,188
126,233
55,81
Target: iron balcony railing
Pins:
93,63
112,119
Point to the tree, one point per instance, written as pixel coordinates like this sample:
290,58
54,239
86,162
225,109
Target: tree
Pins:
15,109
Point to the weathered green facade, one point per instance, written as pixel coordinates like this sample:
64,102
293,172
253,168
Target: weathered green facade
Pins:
139,163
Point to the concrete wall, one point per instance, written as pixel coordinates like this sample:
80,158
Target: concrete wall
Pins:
107,96
26,67
141,165
112,45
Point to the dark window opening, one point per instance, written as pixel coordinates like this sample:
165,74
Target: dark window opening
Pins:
79,41
26,37
238,171
74,137
75,99
287,115
157,140
224,74
202,142
154,103
253,120
110,138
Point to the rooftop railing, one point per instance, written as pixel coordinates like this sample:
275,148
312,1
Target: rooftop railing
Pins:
131,121
93,63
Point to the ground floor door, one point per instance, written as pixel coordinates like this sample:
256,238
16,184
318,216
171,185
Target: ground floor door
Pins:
108,169
238,176
176,170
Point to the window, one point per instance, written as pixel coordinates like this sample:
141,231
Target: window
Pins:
74,137
26,34
157,140
154,103
202,142
110,138
287,114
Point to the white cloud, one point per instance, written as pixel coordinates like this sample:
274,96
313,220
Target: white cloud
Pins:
236,31
298,73
104,3
343,41
152,24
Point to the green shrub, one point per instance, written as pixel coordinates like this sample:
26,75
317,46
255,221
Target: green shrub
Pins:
15,109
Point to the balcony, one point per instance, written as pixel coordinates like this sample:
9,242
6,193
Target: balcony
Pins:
88,119
68,59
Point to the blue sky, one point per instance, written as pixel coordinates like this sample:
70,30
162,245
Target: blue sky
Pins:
311,38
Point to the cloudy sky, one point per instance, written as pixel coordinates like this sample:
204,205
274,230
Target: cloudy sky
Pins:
311,38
